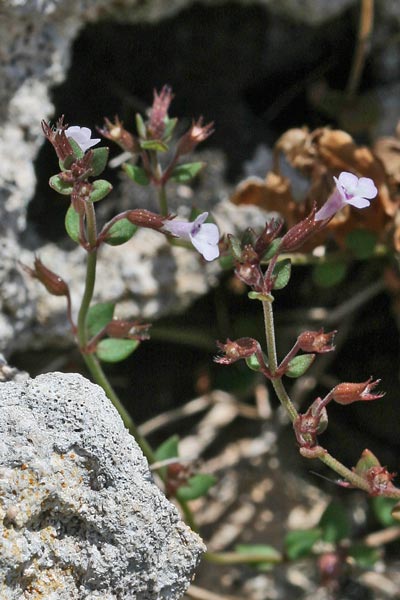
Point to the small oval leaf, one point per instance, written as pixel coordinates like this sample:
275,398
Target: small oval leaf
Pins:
77,150
60,186
299,543
282,273
169,128
364,556
101,188
185,173
168,449
120,232
299,365
99,160
114,350
253,364
272,249
334,523
196,486
99,315
329,274
157,145
235,245
137,174
264,555
383,510
361,242
72,224
140,126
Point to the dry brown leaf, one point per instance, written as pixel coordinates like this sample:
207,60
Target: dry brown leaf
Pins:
320,155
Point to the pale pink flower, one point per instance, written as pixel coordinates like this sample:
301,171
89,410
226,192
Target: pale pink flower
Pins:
82,136
349,190
203,236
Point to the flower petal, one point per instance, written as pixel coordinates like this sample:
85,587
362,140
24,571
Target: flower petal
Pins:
335,203
207,250
180,229
358,202
81,135
348,181
206,241
366,188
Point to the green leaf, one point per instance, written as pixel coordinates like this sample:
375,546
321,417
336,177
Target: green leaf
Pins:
65,164
299,543
101,188
157,145
273,247
329,274
282,273
334,523
361,242
235,245
185,173
226,262
365,556
366,461
77,150
114,350
99,160
120,232
382,508
60,186
265,556
140,126
169,128
137,174
253,364
168,449
299,365
99,315
72,224
196,486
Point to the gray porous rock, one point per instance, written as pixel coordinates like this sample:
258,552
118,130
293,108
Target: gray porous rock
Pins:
81,517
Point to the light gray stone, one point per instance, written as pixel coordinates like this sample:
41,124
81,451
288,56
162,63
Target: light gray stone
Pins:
81,517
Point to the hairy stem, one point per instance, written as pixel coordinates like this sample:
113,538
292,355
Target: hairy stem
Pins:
93,363
273,361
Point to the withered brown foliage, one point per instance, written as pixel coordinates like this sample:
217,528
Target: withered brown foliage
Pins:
319,155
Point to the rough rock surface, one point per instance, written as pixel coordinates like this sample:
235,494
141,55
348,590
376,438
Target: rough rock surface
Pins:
80,514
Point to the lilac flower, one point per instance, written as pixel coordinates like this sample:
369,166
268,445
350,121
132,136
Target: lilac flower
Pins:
203,236
349,190
82,136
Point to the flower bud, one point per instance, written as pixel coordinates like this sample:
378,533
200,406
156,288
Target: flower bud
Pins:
380,480
132,330
310,424
118,134
196,134
316,341
301,232
52,282
146,218
270,233
58,138
236,350
346,393
159,112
